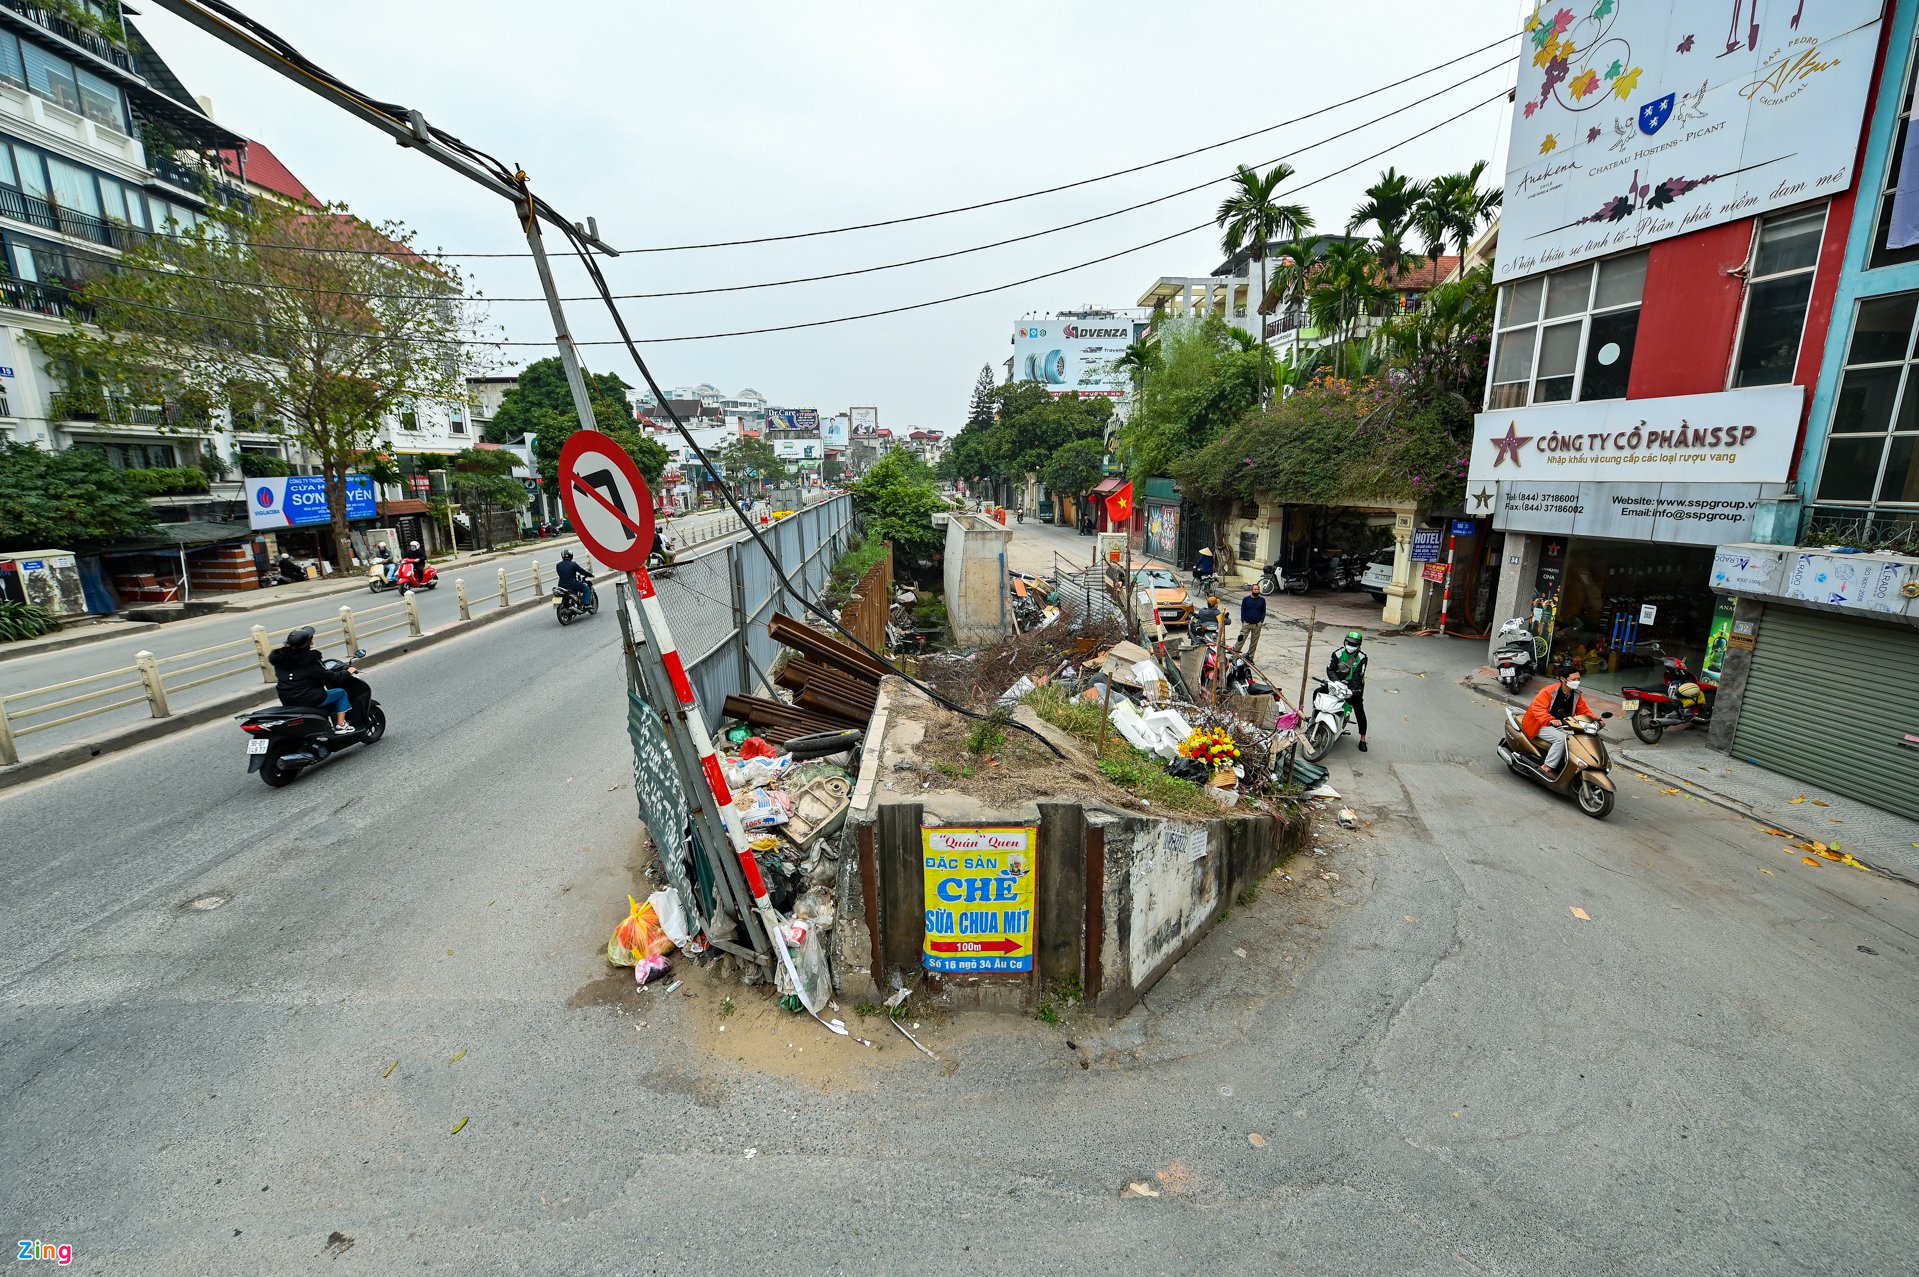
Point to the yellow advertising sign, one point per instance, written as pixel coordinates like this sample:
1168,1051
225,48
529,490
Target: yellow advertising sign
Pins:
979,897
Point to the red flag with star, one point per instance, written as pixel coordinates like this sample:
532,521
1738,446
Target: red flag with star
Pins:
1119,506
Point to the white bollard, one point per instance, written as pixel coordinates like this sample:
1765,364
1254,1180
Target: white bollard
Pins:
263,646
466,608
348,629
149,667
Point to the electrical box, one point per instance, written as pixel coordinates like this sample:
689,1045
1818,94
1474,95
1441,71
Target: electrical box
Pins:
49,579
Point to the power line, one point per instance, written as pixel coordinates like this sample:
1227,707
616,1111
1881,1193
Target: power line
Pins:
914,261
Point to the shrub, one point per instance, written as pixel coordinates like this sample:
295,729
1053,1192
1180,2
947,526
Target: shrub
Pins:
167,481
25,621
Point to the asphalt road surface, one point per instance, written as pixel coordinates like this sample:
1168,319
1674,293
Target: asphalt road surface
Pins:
1445,1068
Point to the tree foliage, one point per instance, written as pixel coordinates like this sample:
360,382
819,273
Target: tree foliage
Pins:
1207,377
482,481
1029,425
313,322
896,500
980,411
1075,469
66,500
540,403
752,460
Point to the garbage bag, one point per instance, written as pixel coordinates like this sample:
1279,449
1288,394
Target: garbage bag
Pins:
638,936
672,914
756,747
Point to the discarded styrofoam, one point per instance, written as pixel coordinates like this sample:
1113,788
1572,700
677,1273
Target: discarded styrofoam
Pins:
1172,728
1323,791
1127,722
1018,691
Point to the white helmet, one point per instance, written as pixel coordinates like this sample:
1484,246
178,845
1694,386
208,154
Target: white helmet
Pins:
412,545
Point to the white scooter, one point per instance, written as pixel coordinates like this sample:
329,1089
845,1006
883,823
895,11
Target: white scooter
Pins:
1517,657
1332,711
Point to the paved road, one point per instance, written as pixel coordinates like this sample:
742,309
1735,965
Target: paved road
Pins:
439,608
1450,1071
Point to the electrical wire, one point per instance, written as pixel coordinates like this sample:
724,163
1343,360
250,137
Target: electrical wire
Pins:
842,319
930,257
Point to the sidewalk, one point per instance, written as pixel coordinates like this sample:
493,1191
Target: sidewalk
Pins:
1682,760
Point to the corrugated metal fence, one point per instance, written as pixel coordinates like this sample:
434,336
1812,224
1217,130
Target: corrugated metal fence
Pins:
718,602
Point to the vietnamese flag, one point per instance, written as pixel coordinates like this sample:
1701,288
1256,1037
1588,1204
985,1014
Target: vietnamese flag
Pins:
1119,506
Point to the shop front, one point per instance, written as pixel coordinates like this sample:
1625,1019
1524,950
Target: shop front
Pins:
1611,513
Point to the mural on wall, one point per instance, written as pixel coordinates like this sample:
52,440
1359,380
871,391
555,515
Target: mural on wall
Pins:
1162,530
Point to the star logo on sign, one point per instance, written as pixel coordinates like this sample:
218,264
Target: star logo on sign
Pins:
1482,499
1506,447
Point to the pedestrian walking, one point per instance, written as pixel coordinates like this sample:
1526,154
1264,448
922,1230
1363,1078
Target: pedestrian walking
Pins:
1252,619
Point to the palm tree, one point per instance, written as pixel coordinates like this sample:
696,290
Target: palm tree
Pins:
1455,208
1252,218
1345,287
1293,264
1138,359
1389,205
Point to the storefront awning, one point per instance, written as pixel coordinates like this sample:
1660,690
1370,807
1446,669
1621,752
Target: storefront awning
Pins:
1108,485
406,505
192,534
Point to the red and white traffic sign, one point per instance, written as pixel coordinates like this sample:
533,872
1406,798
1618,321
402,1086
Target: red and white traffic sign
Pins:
606,498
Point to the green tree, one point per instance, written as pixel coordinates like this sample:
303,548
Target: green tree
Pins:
1453,207
482,481
540,403
1389,205
1032,424
65,500
1208,377
896,501
967,454
980,411
319,324
1293,265
751,460
1252,217
1345,288
1137,362
1075,469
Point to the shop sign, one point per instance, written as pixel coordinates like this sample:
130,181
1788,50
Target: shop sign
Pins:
1848,580
299,500
1427,544
979,897
1732,436
1746,569
1673,513
1434,572
1465,528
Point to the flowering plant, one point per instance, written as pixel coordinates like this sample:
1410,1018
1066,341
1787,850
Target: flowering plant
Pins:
1213,746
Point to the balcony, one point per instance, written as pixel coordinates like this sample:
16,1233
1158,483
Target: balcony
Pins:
42,299
94,42
49,216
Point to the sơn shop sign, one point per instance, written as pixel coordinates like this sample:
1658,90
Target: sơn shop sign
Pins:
299,500
1732,436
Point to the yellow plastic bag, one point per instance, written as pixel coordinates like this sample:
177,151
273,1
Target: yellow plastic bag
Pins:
639,935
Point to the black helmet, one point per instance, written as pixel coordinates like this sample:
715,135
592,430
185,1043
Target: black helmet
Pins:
301,637
566,554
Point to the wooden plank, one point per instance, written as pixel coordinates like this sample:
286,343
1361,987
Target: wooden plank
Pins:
1061,872
810,642
870,896
1095,899
902,889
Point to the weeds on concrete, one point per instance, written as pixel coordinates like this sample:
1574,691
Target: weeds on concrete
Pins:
1247,894
1046,1014
727,1007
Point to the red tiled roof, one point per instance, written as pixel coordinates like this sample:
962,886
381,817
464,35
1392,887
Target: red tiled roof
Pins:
264,169
1434,271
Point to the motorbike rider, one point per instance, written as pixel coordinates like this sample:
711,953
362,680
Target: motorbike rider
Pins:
304,682
1349,667
417,557
1204,618
574,579
1546,717
387,566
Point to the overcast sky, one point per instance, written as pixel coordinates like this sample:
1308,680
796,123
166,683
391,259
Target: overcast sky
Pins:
723,120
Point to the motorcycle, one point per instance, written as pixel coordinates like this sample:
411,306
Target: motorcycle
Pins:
569,606
1332,713
1329,573
287,571
285,740
1685,701
1516,659
407,581
1584,774
660,562
382,575
1241,678
1279,577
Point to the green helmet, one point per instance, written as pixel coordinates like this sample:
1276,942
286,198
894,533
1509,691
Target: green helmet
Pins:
1352,640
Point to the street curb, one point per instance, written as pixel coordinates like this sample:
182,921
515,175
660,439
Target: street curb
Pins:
74,755
79,639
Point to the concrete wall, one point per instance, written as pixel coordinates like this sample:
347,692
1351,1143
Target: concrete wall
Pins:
975,570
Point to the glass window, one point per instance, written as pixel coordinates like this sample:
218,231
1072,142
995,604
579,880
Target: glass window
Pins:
12,69
51,77
1785,256
33,171
1568,335
115,196
7,176
1891,196
100,101
1872,455
73,186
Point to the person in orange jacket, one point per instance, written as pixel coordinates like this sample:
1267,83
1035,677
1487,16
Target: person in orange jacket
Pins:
1546,718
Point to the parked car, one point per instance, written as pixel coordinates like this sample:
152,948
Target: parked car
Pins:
1170,602
1378,575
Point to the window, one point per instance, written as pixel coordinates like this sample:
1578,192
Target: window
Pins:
456,420
1568,335
409,418
1785,256
1891,199
51,77
12,69
73,187
1872,455
134,456
100,101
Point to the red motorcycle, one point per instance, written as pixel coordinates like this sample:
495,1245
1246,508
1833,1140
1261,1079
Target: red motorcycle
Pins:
1685,701
407,580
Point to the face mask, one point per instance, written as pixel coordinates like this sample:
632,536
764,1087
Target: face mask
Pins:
1573,686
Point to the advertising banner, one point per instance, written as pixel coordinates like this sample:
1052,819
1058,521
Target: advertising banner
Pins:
835,430
1731,436
299,500
1070,355
1427,545
979,898
1669,513
802,420
866,422
1642,119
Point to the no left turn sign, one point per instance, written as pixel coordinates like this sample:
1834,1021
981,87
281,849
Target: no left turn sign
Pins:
607,499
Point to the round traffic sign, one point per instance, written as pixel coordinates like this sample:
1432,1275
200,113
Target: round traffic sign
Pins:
606,498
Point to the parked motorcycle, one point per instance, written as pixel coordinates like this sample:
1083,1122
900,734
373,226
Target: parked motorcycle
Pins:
1332,714
1329,573
1584,774
287,739
1278,576
1685,701
1241,678
569,607
287,571
1516,659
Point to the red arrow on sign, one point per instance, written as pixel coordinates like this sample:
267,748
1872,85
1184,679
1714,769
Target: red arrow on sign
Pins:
974,946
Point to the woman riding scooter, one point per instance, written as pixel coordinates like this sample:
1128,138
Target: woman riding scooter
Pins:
304,682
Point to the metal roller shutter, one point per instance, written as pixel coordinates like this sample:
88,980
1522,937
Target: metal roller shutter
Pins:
1835,702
